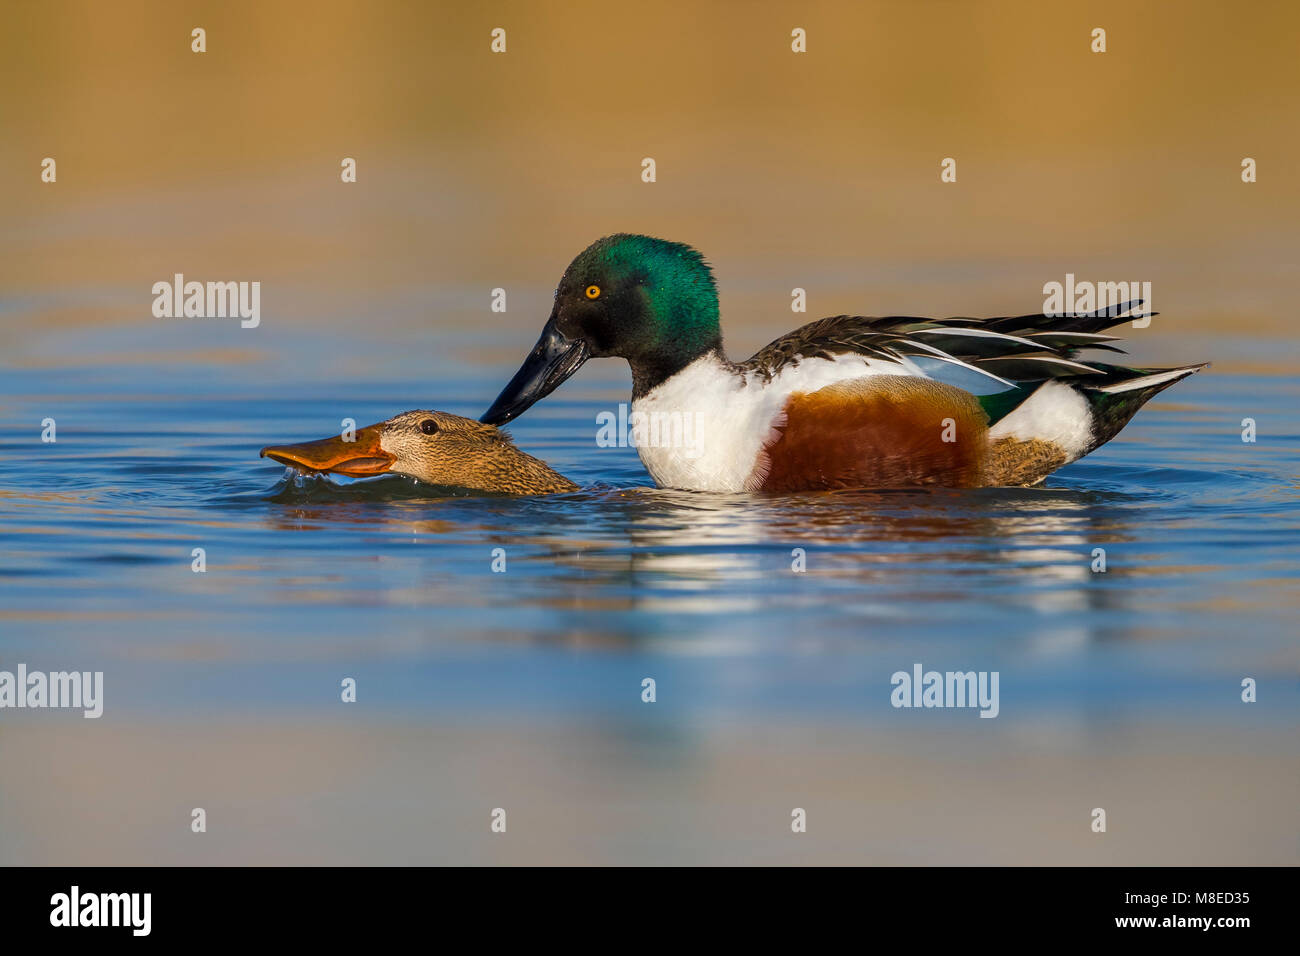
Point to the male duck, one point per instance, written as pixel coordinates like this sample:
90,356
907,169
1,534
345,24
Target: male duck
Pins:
436,448
843,402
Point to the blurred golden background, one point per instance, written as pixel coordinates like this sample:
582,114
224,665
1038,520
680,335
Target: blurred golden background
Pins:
821,170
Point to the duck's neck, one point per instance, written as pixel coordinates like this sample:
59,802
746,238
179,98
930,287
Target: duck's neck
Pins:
649,372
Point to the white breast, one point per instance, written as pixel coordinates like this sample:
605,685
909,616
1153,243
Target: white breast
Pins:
704,427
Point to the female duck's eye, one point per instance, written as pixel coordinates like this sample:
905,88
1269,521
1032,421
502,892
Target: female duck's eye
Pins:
429,426
593,291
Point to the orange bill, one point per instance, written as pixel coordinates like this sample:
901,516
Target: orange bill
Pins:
361,456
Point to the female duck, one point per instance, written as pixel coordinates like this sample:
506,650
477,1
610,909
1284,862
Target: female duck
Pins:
434,447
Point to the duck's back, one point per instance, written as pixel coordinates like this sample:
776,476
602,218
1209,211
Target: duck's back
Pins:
850,401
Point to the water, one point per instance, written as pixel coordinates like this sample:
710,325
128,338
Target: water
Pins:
528,682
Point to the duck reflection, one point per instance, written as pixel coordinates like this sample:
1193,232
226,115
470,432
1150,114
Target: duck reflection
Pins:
643,549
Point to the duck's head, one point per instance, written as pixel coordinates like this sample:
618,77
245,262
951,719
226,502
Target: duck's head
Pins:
434,447
647,300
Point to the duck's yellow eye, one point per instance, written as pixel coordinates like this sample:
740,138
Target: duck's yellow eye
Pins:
593,291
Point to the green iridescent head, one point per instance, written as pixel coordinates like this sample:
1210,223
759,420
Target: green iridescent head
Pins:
647,300
641,299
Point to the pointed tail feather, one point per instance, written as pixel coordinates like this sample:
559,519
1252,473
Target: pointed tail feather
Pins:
1116,398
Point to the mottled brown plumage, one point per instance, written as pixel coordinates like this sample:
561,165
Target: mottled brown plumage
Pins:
1019,463
434,447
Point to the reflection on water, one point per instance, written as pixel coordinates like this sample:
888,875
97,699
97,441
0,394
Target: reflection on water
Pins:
666,551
